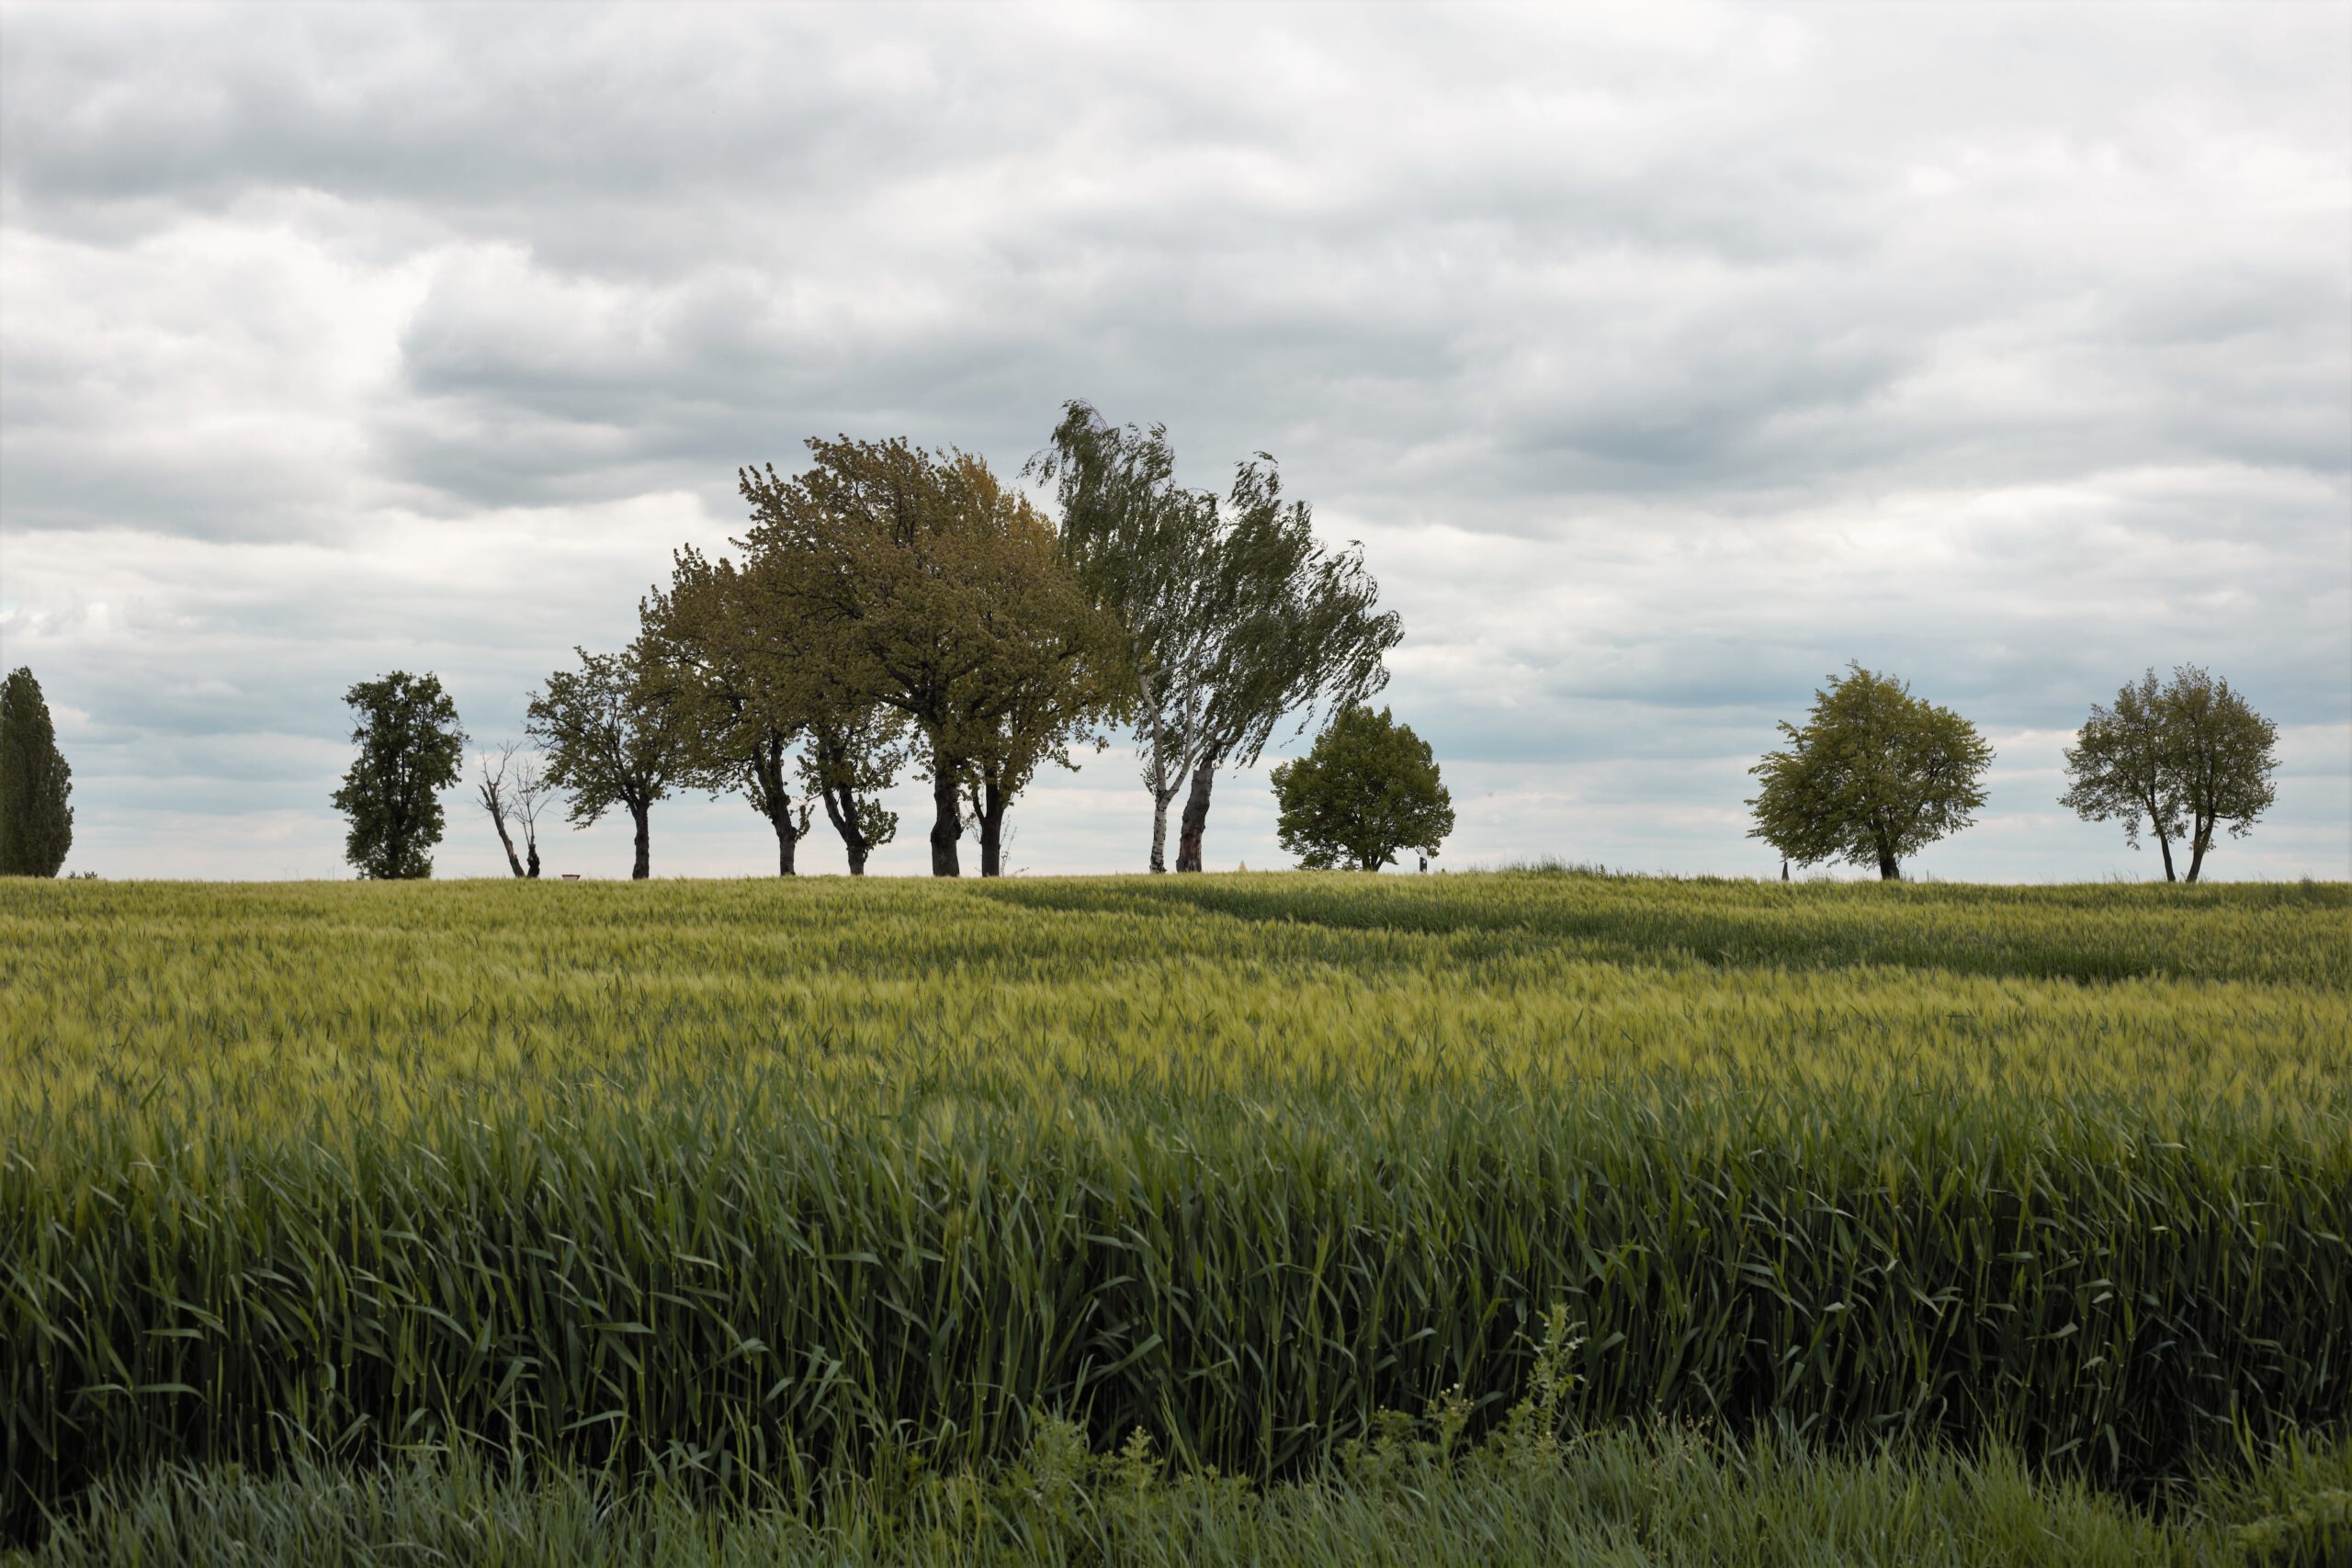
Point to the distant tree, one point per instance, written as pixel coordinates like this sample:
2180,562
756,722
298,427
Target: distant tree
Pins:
1875,776
854,752
35,822
510,790
740,715
1234,619
531,793
411,749
1367,789
937,593
2118,769
767,704
611,736
2185,757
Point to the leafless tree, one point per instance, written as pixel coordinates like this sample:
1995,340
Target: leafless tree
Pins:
514,789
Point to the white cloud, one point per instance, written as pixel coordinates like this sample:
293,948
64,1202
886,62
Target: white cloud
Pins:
1664,360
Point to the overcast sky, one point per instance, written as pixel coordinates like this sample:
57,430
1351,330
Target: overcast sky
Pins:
1664,359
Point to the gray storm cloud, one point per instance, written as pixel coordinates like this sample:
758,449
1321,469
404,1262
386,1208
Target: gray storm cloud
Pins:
1662,360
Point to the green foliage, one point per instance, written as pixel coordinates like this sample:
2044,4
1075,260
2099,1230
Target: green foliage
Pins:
1368,788
2184,757
1874,777
36,823
411,749
1233,619
615,733
929,589
783,1179
1649,1495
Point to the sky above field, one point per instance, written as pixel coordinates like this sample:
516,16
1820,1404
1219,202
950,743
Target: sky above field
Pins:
1662,358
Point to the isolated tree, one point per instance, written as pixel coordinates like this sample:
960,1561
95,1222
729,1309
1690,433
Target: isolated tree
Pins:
1235,619
2185,756
1368,788
411,749
611,738
1874,776
35,822
936,592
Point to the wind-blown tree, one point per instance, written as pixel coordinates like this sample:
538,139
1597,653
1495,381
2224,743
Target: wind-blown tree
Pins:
611,738
1234,619
411,749
764,689
2185,757
940,595
36,818
1368,788
740,715
855,749
1874,776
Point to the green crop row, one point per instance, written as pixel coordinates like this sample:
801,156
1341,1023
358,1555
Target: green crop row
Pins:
764,1184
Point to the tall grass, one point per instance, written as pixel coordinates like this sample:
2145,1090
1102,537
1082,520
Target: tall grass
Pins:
765,1184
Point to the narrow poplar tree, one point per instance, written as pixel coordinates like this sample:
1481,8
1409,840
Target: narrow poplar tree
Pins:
36,823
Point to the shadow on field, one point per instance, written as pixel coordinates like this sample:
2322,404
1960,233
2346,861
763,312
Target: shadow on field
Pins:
2246,932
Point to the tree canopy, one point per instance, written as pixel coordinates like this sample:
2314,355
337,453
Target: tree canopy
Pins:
36,818
1367,789
1233,618
929,589
1874,776
411,749
2182,757
612,737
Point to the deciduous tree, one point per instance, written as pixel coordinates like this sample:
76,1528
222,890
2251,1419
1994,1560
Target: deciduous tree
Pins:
942,596
1367,789
495,791
36,817
1874,776
411,749
1235,618
739,711
2118,770
611,736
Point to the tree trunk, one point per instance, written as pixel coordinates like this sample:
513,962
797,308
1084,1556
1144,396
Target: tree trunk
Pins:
1160,799
947,823
2197,848
2164,843
534,847
1887,869
774,799
506,842
1784,869
841,810
1196,816
992,815
644,866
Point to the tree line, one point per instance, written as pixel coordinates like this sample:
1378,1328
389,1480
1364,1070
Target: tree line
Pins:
891,607
895,607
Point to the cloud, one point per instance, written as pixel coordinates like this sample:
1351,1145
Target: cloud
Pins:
1663,361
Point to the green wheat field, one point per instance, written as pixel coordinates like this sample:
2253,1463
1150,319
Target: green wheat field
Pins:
1527,1216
